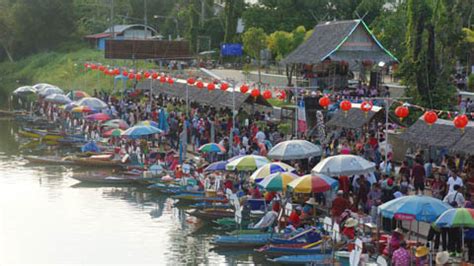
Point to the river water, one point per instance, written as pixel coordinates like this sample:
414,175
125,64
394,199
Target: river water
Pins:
46,217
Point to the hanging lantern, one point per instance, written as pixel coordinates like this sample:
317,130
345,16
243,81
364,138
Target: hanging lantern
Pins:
461,121
106,71
125,73
366,106
200,85
224,86
324,102
138,76
244,88
131,76
146,74
255,92
154,75
402,112
170,80
191,81
116,72
430,117
345,105
93,66
211,86
282,96
101,68
111,72
267,94
86,65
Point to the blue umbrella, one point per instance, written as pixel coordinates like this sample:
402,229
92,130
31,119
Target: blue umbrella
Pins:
419,208
148,123
217,166
139,131
90,147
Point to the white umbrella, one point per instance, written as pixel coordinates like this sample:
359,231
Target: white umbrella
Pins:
24,90
294,150
92,102
247,163
40,86
344,164
57,98
46,91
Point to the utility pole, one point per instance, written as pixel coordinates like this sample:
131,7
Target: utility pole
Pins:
145,19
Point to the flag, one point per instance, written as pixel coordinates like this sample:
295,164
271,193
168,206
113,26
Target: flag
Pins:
302,126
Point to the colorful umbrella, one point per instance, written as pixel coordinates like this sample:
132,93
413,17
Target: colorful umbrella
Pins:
269,169
277,181
420,208
456,217
247,163
211,147
76,95
294,150
220,165
82,109
92,103
116,123
345,164
24,90
46,91
57,98
148,123
68,107
98,117
313,184
116,132
139,131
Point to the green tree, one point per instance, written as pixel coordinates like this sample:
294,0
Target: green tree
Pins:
388,31
255,40
233,10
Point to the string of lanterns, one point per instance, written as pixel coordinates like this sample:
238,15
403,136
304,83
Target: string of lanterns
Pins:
430,117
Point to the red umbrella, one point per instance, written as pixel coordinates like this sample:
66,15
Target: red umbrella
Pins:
98,117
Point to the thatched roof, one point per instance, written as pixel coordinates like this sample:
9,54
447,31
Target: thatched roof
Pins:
329,37
442,134
354,118
216,98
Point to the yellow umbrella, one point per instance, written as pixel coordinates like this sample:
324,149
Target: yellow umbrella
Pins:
313,184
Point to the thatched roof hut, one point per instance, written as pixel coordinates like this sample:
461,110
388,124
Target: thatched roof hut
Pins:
354,118
442,134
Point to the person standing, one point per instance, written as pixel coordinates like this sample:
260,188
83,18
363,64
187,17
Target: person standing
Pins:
456,200
418,175
401,256
454,180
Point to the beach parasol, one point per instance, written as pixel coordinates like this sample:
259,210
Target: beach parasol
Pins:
92,102
116,123
76,95
140,131
416,207
247,163
456,217
313,184
294,150
344,164
277,181
46,91
220,165
24,90
98,117
269,169
211,147
116,132
148,123
57,99
82,109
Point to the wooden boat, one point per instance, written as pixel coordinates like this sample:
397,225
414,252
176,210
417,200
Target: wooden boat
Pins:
166,188
200,196
315,259
104,179
211,214
92,162
39,134
291,249
48,160
244,240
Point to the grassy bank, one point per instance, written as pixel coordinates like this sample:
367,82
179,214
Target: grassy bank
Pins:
64,69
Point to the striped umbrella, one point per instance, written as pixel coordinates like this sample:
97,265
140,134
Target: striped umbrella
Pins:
277,181
211,147
76,95
220,165
457,217
313,184
82,109
116,123
148,123
247,163
139,131
98,117
269,169
116,132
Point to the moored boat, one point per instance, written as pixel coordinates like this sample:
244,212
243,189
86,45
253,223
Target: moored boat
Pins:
48,160
39,134
93,162
244,240
212,214
104,179
315,259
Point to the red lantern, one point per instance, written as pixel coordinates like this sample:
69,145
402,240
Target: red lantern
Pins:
162,79
200,85
191,81
430,117
224,86
324,101
170,80
460,121
125,73
255,92
94,66
106,71
86,65
138,76
131,76
366,106
154,75
345,105
102,68
267,94
116,72
211,86
402,112
244,88
146,74
282,96
111,71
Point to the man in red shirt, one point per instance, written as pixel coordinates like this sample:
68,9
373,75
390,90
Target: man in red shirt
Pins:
339,205
418,175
